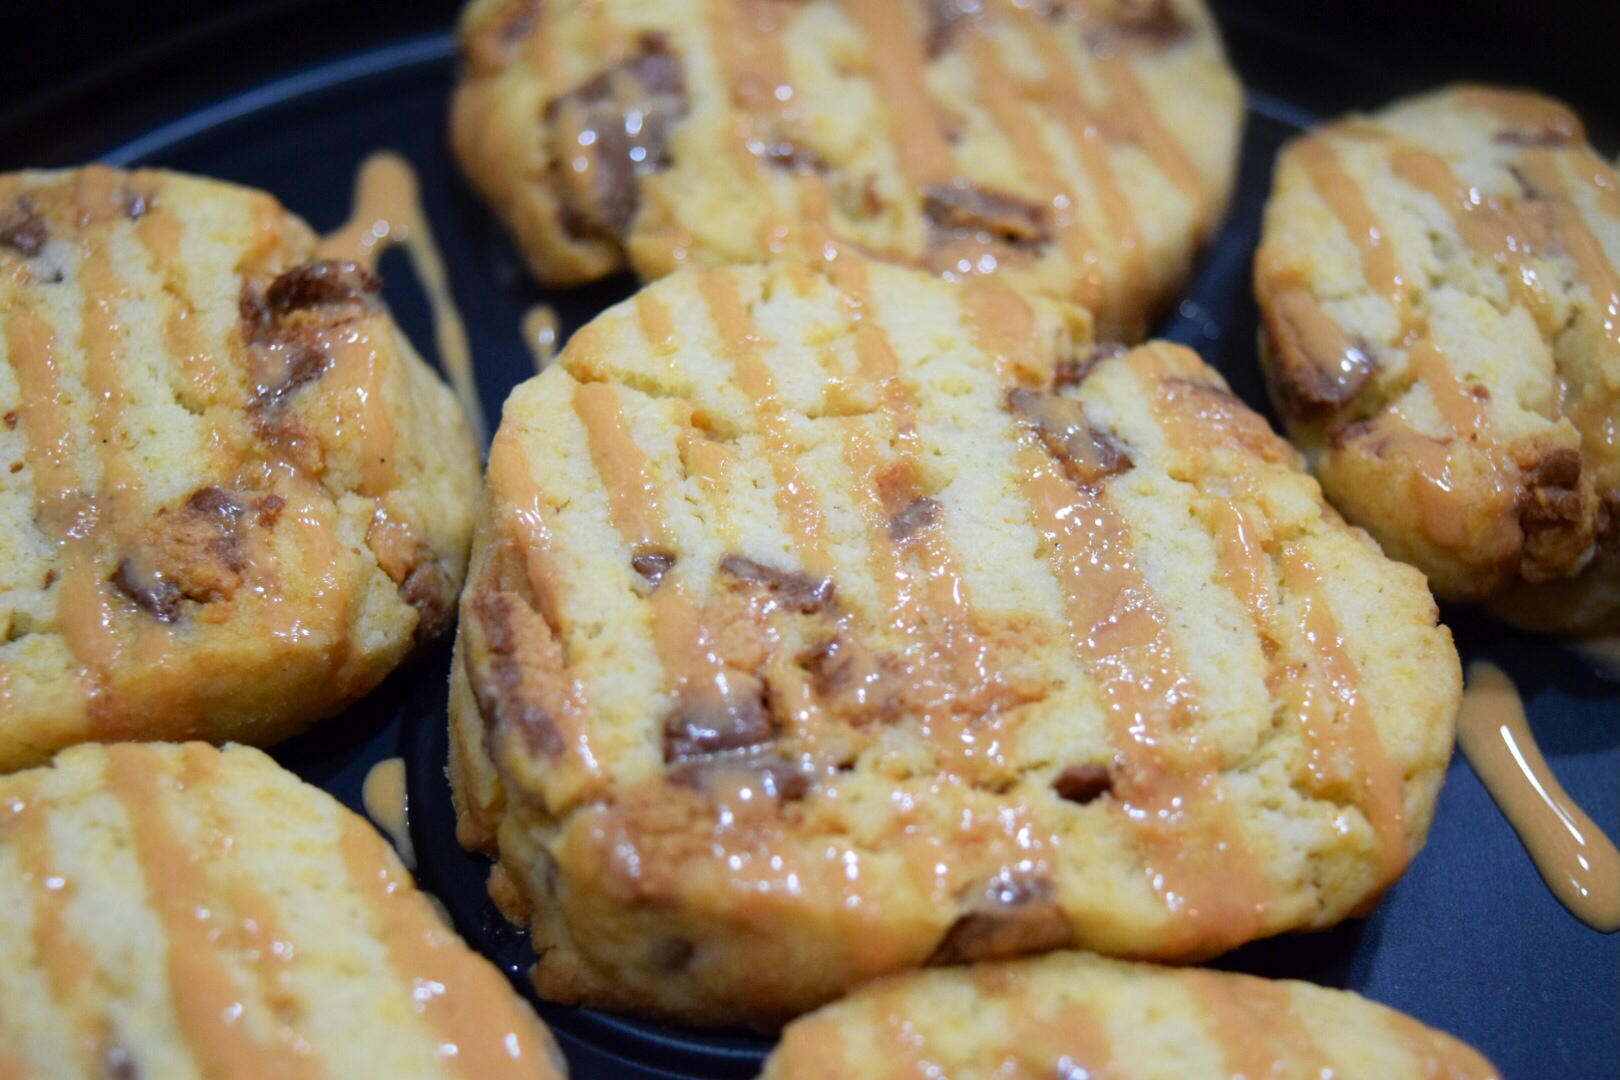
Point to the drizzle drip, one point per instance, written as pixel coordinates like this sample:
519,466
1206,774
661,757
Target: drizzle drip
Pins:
1576,860
388,212
386,804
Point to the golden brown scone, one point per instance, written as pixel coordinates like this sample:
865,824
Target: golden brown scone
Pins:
1441,316
1082,150
829,620
186,913
232,495
1074,1016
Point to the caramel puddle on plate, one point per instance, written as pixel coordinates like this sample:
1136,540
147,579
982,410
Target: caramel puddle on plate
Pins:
384,796
388,212
1576,860
540,329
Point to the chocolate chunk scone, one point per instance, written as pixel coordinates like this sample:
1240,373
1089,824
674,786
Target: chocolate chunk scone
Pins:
1441,311
1081,149
831,619
185,913
1073,1016
232,495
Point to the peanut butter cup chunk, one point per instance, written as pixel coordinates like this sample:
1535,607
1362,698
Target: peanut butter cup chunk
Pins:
1070,1015
1440,291
177,911
947,654
1080,150
234,497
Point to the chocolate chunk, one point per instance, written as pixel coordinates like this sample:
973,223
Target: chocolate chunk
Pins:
1016,914
789,156
148,589
629,111
10,420
429,590
793,590
765,772
1089,456
920,514
653,565
962,210
1082,783
945,17
1154,24
709,725
1074,370
319,283
215,501
23,230
500,695
1550,499
304,364
135,205
120,1065
1319,366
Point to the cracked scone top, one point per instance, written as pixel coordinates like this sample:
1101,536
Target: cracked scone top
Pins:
177,912
1071,1015
1081,149
812,633
233,496
1442,331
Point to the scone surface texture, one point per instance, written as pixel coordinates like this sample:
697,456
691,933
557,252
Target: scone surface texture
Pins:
1081,149
233,497
1441,329
183,912
828,620
1076,1015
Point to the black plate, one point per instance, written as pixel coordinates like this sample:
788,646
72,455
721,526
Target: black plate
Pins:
1469,940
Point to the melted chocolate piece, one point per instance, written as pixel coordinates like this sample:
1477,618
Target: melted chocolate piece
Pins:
796,591
631,110
1154,24
1551,499
320,283
1083,783
1319,367
428,589
714,725
215,501
789,156
500,696
653,566
1016,914
305,364
135,205
1074,370
120,1065
769,774
1088,456
945,17
148,590
24,230
961,210
918,515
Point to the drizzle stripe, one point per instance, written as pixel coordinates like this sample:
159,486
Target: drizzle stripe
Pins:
896,62
1256,1026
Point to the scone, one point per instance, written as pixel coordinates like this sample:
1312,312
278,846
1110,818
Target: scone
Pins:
829,620
182,912
1081,150
1441,329
233,496
1074,1016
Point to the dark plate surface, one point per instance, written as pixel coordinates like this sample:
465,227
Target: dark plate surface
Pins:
1469,940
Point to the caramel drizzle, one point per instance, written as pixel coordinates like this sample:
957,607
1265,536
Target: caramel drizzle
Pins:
998,88
160,232
524,526
934,595
388,212
1068,1042
207,1003
487,1033
1256,1026
1128,100
68,964
741,341
387,804
1574,857
1068,105
656,324
684,642
1344,198
897,68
